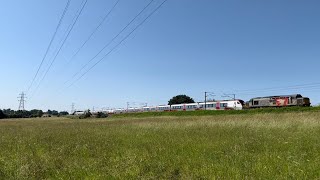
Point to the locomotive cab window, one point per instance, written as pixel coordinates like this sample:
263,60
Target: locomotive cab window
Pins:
255,102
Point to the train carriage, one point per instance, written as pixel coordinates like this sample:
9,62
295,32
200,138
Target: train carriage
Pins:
222,105
208,105
191,106
149,109
178,107
119,111
162,108
146,109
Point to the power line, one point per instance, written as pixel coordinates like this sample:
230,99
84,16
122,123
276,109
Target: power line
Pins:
309,85
101,59
65,39
111,41
231,96
94,31
291,88
50,43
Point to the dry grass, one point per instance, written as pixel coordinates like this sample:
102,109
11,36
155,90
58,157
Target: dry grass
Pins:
255,146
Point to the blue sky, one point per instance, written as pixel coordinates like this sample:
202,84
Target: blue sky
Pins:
186,47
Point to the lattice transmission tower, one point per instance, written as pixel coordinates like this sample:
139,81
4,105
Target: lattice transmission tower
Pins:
72,108
22,99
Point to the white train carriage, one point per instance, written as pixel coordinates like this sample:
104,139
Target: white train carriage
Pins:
146,109
177,107
234,104
149,109
209,106
133,110
119,111
221,105
162,108
185,107
192,106
109,111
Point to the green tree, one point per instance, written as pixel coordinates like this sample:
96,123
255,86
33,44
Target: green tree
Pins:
101,115
55,113
87,114
49,112
21,114
2,115
36,113
40,113
8,112
63,113
180,99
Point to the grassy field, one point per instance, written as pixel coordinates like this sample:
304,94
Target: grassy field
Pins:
240,146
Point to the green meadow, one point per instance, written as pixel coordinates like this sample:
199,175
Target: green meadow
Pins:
221,146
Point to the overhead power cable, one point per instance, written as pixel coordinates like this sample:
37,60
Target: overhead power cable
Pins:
111,41
50,43
309,85
94,31
65,39
126,37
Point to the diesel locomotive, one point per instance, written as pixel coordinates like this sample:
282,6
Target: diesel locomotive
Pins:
278,101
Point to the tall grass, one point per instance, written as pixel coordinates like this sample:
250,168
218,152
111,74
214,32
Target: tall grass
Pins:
245,146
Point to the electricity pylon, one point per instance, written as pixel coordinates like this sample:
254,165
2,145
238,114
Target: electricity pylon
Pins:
22,99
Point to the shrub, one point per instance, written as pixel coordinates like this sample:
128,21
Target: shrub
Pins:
86,115
2,115
101,115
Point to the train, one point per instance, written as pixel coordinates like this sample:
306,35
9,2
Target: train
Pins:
213,105
279,101
236,104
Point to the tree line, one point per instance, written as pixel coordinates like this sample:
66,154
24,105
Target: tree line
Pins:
9,113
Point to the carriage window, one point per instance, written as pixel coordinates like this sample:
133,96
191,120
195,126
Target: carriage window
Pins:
223,105
211,105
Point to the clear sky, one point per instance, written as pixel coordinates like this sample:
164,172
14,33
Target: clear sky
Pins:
186,47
